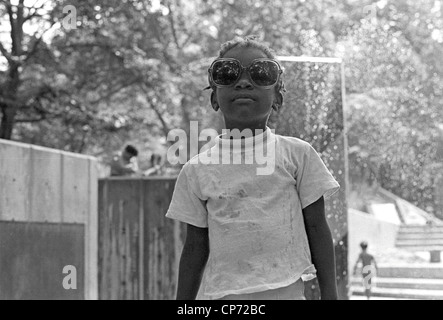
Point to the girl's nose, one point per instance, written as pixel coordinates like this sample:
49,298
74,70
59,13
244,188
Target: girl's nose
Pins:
244,82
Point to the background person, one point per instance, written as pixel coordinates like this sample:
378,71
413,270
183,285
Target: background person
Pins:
367,261
156,165
125,162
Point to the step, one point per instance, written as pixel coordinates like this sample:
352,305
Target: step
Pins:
419,242
422,229
400,293
419,236
403,283
420,271
419,248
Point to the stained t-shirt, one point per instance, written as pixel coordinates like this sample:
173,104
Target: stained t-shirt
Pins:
250,195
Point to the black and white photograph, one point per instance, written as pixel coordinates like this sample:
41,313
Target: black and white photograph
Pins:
220,151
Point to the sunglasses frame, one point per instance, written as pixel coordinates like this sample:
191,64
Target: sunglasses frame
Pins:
212,82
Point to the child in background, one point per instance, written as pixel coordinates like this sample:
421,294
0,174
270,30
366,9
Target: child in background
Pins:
249,235
125,162
368,264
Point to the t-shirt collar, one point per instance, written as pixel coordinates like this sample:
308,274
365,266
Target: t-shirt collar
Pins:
246,143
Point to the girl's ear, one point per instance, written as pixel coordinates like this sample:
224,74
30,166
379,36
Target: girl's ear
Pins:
278,102
214,102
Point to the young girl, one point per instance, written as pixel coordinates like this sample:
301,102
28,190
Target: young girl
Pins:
251,235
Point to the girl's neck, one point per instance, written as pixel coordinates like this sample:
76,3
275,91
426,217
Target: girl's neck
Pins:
237,128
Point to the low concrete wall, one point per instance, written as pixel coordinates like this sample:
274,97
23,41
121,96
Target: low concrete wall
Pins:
44,192
380,235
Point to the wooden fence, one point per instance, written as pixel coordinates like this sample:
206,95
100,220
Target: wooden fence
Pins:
48,220
139,249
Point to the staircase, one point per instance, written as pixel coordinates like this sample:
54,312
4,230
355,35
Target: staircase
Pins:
424,282
421,238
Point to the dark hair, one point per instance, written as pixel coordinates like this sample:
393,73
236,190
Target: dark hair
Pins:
246,42
364,245
156,158
250,42
131,150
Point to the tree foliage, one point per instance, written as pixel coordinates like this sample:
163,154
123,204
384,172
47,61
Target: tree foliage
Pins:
132,70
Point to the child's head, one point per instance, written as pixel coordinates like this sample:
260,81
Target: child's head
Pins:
364,245
129,152
246,82
156,159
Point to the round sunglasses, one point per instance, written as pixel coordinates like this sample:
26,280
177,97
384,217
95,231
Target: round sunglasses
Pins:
263,72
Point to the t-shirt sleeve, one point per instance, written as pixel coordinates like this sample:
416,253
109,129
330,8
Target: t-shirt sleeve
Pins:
187,204
313,178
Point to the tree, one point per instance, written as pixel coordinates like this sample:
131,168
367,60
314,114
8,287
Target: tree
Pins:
394,97
22,56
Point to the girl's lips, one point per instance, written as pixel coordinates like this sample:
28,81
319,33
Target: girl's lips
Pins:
243,100
243,97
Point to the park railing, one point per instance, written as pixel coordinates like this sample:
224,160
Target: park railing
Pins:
48,223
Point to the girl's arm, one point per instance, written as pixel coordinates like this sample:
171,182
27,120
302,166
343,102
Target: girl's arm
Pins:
322,248
192,262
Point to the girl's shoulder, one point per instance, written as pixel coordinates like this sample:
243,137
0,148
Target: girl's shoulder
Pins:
292,143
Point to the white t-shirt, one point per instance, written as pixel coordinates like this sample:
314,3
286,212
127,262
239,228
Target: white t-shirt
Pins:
257,237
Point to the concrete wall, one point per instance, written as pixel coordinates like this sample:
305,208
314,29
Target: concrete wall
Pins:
42,185
363,227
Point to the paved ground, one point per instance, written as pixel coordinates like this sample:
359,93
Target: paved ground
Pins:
374,298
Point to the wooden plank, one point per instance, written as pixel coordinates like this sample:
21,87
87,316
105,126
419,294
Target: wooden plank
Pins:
45,185
119,239
91,240
142,237
15,179
33,257
103,239
164,241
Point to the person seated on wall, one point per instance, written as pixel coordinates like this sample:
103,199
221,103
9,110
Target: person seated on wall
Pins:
156,163
125,162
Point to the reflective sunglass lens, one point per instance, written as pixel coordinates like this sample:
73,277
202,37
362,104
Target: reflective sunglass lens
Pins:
225,72
264,73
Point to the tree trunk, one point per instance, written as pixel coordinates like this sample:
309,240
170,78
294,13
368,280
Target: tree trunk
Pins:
9,108
7,122
13,81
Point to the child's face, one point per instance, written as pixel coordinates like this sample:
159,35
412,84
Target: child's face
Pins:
126,155
244,103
